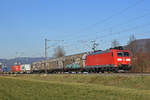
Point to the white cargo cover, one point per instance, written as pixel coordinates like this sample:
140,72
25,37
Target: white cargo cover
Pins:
26,67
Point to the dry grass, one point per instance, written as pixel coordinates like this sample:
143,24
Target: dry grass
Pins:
74,87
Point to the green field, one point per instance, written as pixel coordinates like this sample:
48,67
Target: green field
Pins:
74,87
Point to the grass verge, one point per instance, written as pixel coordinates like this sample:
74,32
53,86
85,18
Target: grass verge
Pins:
71,87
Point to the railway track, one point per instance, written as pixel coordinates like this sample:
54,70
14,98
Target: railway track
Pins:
105,74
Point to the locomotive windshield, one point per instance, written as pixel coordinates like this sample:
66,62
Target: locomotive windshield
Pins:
119,54
126,54
123,54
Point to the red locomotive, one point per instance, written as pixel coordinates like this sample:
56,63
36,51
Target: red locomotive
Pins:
110,60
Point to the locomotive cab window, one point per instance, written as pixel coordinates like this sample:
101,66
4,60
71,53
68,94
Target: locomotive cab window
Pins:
126,54
119,54
123,54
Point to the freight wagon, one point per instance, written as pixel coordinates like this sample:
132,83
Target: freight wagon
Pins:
6,69
113,59
0,67
16,69
24,68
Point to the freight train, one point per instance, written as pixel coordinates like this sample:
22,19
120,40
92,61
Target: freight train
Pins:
111,60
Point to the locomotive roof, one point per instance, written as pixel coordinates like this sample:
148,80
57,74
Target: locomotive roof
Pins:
98,52
106,51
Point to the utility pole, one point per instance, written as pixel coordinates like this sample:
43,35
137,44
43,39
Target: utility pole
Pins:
94,45
16,62
18,55
46,55
46,51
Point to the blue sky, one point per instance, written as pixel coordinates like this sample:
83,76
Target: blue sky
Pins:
24,24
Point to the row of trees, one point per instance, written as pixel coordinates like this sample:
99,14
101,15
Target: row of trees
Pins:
141,57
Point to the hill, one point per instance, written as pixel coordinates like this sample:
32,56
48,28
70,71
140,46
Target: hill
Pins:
141,44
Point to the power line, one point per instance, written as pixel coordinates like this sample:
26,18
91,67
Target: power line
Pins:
125,23
128,21
113,15
119,32
125,30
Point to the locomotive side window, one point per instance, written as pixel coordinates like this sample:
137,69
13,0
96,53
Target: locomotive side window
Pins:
126,54
119,54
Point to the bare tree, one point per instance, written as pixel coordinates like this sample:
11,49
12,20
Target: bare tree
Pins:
115,43
59,52
132,45
147,46
132,38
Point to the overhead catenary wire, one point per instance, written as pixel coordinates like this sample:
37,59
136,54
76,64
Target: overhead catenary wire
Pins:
126,30
127,21
124,23
112,16
111,34
118,32
109,17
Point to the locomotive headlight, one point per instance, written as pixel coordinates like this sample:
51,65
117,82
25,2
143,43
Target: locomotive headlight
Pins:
128,59
119,59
